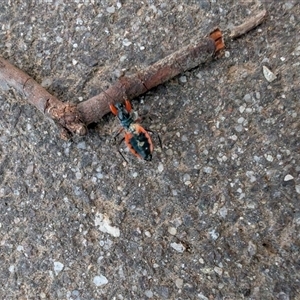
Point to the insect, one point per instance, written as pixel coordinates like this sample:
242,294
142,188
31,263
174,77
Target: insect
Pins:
136,137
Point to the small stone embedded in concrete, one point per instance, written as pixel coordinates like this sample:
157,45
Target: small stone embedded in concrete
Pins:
179,283
269,157
103,223
160,167
110,9
269,75
148,293
11,269
239,128
100,280
288,177
207,170
242,109
58,267
214,234
126,42
218,270
223,212
247,98
182,79
186,178
172,230
178,247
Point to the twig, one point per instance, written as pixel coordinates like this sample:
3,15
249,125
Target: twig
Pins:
64,114
248,25
130,87
74,118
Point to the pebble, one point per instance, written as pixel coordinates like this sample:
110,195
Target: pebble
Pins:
135,174
182,79
223,212
59,39
207,170
214,235
172,230
11,268
297,189
100,280
160,167
184,138
103,223
78,175
269,157
126,42
288,177
149,294
58,267
239,128
81,145
179,283
218,270
186,177
269,75
242,109
111,9
177,247
169,152
247,98
241,120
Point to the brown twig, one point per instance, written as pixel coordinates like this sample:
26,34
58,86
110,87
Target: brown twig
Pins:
248,25
64,114
130,87
74,118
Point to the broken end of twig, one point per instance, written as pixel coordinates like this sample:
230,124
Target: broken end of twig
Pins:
67,116
248,25
217,36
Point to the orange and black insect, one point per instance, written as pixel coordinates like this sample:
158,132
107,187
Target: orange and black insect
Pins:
136,137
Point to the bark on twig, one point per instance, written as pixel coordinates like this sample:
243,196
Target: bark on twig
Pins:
248,25
64,114
130,87
74,118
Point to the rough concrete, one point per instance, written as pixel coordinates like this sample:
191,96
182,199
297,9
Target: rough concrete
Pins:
215,215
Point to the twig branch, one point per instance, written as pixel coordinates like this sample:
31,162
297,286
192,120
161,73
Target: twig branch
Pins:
248,25
130,87
74,118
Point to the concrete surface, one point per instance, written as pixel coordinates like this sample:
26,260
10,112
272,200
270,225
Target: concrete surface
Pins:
215,215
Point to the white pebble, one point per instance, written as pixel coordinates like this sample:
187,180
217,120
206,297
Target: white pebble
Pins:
177,247
269,75
58,267
207,170
241,120
100,280
183,79
269,157
111,9
288,177
179,283
103,223
297,189
126,42
172,230
160,167
242,109
59,39
149,294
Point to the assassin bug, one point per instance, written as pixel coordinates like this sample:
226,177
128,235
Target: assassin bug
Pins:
136,137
